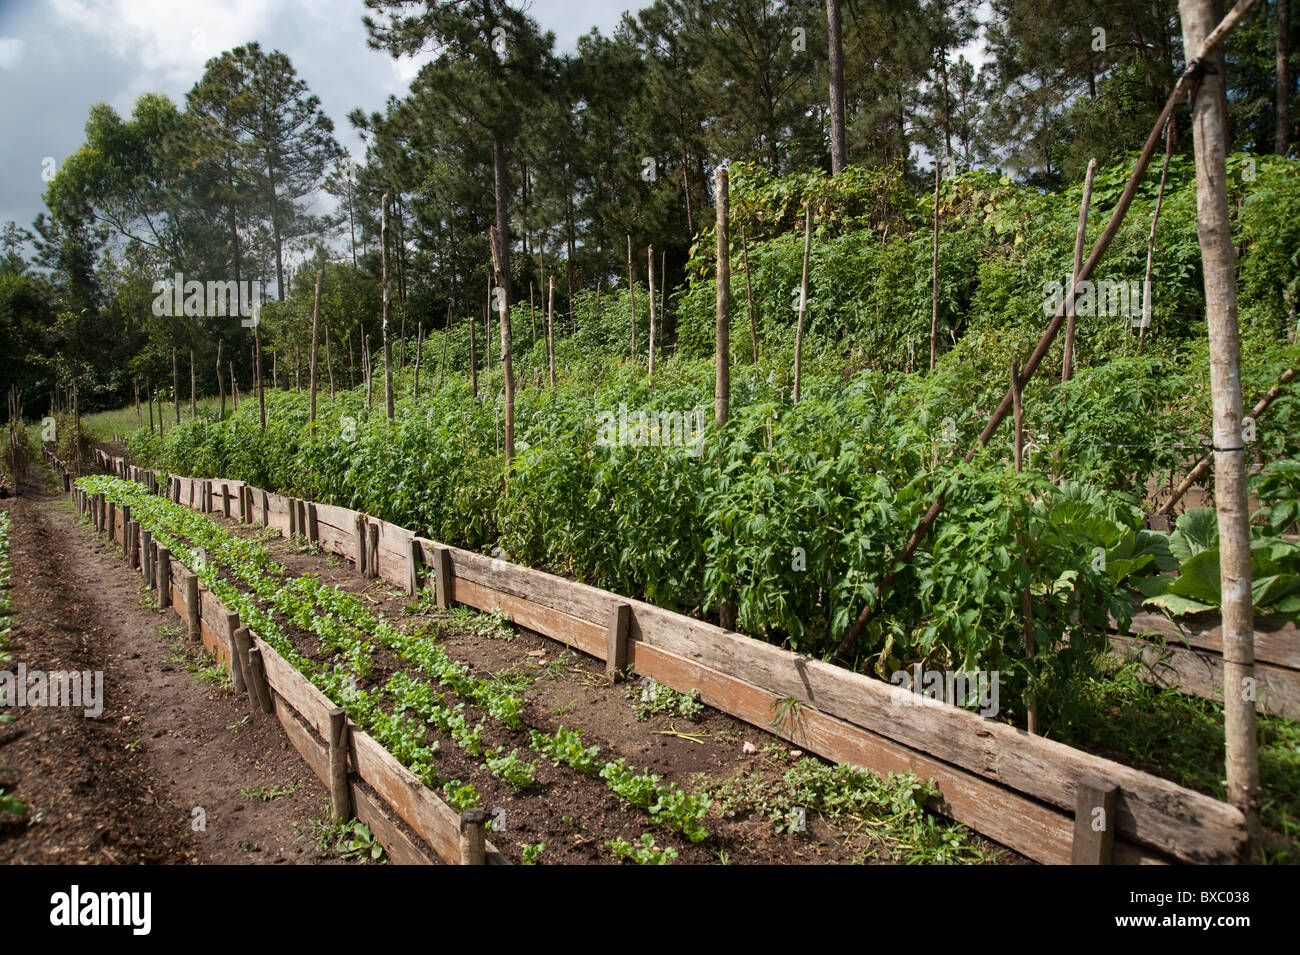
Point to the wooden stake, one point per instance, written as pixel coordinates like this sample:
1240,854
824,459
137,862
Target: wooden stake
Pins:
803,302
650,271
749,294
550,330
163,581
315,334
503,311
1079,237
442,576
414,556
934,273
340,793
631,292
388,344
473,840
1151,237
192,606
257,670
616,635
1094,822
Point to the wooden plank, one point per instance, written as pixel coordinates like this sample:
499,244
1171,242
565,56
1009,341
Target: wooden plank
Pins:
1276,641
1025,825
588,637
1155,812
431,818
1200,673
399,847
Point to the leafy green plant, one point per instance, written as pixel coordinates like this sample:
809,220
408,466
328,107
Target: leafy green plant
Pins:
12,805
512,769
643,853
531,853
656,699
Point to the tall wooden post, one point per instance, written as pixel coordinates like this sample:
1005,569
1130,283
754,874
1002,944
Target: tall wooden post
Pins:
803,302
1214,228
722,345
1079,236
503,312
388,343
315,333
650,271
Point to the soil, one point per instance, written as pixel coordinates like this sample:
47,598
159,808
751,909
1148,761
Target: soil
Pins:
157,777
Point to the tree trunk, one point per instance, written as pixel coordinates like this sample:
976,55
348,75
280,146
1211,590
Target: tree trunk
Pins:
1214,228
315,335
388,343
839,143
1282,136
503,313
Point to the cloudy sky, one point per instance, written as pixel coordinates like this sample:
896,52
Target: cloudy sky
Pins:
59,57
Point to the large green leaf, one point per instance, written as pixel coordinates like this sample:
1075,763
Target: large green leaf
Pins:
1198,578
1197,531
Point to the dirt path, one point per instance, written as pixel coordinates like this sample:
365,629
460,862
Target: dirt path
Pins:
157,778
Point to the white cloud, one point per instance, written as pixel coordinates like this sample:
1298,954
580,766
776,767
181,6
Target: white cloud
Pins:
11,51
166,42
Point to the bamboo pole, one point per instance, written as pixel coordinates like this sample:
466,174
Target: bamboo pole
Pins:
1151,238
934,273
329,361
1180,90
631,291
749,293
221,381
650,271
388,343
194,407
315,347
503,312
550,330
1080,236
473,359
176,388
803,302
722,345
1026,601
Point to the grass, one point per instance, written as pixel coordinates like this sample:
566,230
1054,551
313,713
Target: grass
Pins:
1180,737
874,813
266,795
111,425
